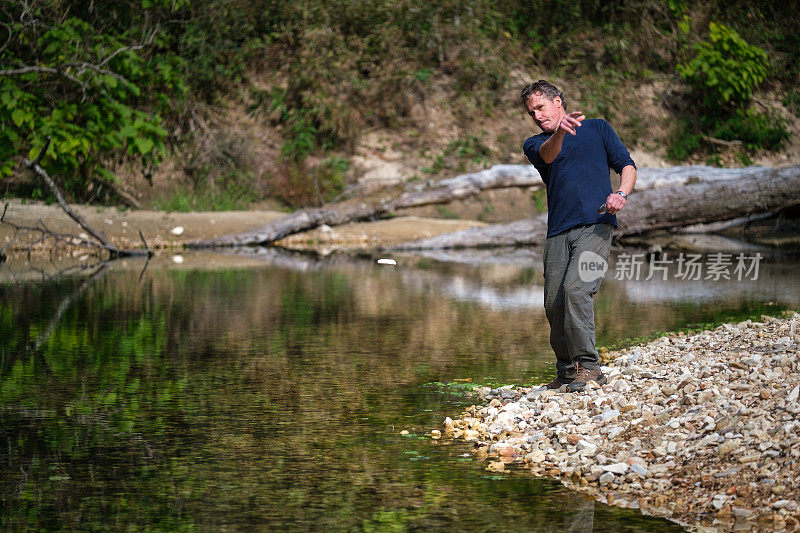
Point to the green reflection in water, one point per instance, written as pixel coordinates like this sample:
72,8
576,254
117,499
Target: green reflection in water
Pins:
265,398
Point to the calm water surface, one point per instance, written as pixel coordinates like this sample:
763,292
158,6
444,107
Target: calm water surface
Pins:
269,392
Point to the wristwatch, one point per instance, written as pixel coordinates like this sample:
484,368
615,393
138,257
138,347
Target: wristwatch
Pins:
622,194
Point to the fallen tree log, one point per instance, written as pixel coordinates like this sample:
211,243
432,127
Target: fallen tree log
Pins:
459,187
764,191
103,242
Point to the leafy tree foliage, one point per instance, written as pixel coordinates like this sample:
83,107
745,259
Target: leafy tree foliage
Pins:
117,80
98,93
725,68
723,74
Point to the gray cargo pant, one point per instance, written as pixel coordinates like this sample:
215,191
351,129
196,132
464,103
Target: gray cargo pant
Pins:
568,299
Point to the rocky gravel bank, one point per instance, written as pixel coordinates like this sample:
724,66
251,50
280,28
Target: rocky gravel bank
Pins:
703,429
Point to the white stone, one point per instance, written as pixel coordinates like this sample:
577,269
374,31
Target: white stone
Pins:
614,431
658,469
607,415
536,456
793,394
586,447
616,468
606,478
621,386
718,501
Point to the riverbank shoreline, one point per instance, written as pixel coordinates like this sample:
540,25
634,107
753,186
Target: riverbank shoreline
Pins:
163,230
701,429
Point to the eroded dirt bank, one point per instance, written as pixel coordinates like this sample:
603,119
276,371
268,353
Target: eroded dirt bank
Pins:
702,429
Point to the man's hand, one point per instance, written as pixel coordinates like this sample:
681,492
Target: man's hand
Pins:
570,122
614,203
552,146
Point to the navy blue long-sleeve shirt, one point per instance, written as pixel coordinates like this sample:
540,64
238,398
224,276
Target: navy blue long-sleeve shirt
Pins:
578,180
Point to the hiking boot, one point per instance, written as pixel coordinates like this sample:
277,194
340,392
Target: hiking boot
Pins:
585,375
558,383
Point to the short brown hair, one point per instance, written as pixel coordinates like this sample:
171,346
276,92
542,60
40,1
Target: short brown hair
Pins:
545,88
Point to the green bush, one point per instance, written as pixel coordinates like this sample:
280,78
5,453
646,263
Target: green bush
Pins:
725,68
683,141
723,74
93,95
792,101
470,147
458,152
755,130
229,192
297,184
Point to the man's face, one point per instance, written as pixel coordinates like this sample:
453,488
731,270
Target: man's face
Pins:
545,112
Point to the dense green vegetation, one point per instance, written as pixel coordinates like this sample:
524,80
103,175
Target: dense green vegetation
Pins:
126,80
723,74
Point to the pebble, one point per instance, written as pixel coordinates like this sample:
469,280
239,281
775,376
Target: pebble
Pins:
636,461
587,447
496,466
718,501
605,416
793,394
536,456
616,468
606,478
686,425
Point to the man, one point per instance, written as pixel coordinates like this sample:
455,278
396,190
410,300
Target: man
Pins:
573,156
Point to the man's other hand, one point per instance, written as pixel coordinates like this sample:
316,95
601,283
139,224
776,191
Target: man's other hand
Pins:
614,203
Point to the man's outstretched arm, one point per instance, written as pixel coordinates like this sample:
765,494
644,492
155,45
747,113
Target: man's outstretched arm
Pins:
550,149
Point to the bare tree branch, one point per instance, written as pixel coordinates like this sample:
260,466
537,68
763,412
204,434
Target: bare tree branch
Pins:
42,173
106,244
127,197
8,41
48,70
119,51
42,153
459,187
83,66
147,42
721,142
146,247
45,233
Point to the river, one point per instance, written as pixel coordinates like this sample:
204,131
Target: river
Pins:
268,390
